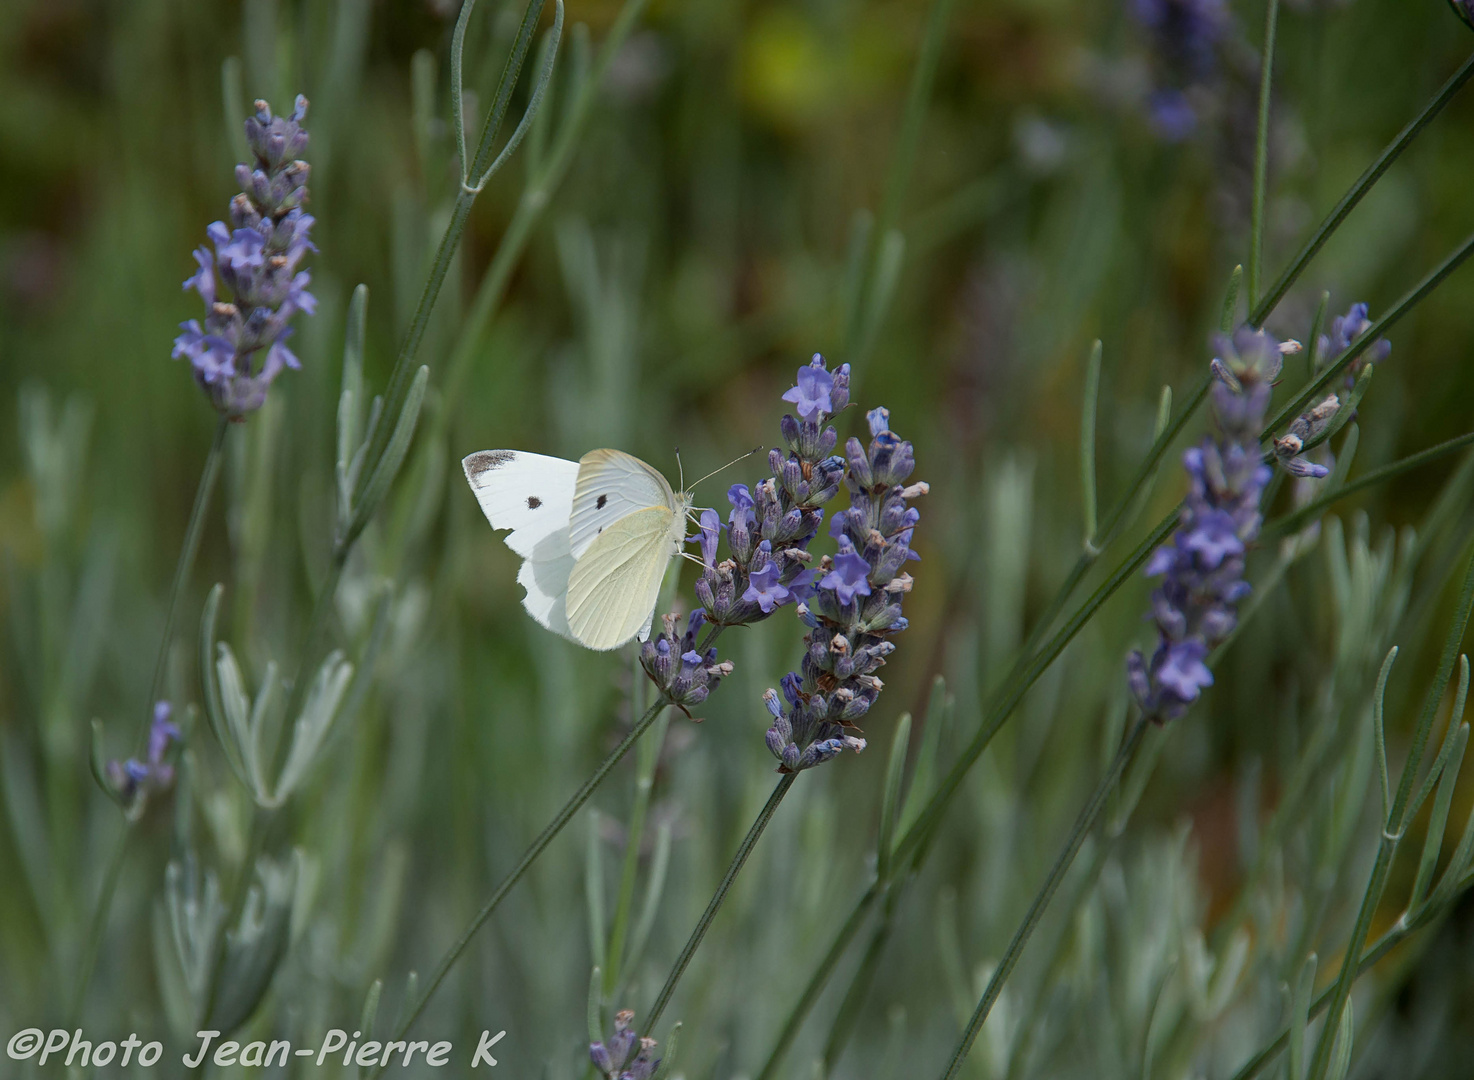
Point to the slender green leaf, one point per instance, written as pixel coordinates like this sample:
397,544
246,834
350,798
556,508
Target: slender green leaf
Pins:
1300,1016
890,799
1379,732
1438,821
1087,441
1229,318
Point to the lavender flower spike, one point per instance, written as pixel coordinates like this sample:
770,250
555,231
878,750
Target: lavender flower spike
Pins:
252,284
855,608
1202,567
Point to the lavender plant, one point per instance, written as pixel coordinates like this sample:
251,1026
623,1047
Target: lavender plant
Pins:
852,604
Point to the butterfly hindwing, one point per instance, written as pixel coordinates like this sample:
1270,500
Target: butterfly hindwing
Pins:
532,495
611,485
616,581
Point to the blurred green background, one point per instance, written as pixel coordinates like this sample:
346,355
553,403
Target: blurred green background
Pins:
702,246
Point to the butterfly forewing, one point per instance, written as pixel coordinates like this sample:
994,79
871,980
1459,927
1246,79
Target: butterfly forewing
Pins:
612,485
616,581
532,495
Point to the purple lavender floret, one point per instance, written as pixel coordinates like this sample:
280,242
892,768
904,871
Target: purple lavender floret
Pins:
1186,36
624,1055
771,525
1345,330
685,674
1202,567
133,780
252,284
854,609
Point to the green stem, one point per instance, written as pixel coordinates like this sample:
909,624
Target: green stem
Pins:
818,980
1025,673
854,998
530,207
1261,151
1028,668
1083,824
185,566
193,532
937,804
544,838
99,920
694,942
1358,191
450,240
649,757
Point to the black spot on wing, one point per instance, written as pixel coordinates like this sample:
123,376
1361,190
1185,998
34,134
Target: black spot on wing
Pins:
599,504
533,502
485,461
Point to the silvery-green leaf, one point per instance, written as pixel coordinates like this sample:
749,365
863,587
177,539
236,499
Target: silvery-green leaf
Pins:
97,762
386,468
668,1054
213,694
370,1014
188,919
350,399
237,707
1227,971
255,946
654,889
1438,821
318,713
265,726
593,1011
891,797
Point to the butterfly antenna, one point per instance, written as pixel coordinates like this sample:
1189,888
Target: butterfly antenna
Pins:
728,465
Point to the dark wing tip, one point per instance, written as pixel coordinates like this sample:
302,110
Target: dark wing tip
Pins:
484,461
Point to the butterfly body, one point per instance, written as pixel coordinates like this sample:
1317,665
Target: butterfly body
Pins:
595,536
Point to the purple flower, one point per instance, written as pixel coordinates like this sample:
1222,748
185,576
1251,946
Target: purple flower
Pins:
1172,116
711,533
134,781
1345,330
811,397
847,580
1182,670
240,348
1185,38
1212,538
624,1055
764,587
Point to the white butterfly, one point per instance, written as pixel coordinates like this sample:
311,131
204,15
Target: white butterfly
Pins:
595,536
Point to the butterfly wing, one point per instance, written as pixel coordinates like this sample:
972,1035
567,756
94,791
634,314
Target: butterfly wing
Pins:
616,581
612,485
532,495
